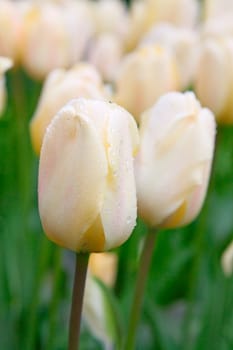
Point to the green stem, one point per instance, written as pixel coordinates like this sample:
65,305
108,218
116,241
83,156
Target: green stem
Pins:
77,300
144,266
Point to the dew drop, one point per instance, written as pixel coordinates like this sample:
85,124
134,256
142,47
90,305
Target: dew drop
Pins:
128,220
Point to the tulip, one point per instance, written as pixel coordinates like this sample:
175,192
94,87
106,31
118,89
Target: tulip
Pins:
60,87
77,17
144,75
137,24
144,14
174,160
44,42
110,16
214,80
87,195
183,43
105,54
5,64
48,39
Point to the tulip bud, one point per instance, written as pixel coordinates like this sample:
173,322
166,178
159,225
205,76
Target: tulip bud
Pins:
137,24
174,160
105,53
5,64
61,22
87,195
184,45
144,75
60,87
110,16
214,80
78,19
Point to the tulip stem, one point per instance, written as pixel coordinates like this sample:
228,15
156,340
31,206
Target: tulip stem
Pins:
144,266
77,300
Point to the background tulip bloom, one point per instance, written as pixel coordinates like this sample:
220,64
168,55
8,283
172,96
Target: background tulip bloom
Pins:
87,195
214,80
104,267
184,44
60,87
105,53
174,160
144,75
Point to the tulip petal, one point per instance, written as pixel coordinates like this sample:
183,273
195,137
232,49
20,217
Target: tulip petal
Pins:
72,176
119,208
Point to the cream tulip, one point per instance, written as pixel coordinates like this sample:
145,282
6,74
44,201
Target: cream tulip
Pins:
60,87
143,76
51,35
77,16
184,44
174,160
110,16
214,80
87,195
105,53
45,39
137,24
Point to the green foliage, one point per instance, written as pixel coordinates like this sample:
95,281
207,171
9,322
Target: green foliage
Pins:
188,302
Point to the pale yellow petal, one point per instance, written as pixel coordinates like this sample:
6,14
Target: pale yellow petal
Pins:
72,176
119,207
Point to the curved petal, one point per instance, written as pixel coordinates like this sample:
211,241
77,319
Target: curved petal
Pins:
72,176
119,207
